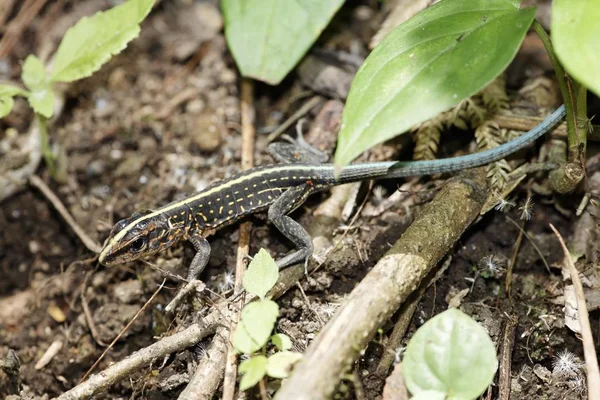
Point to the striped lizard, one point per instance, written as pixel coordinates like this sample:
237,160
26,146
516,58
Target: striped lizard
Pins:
277,189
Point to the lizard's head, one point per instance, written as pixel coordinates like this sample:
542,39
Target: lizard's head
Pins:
143,234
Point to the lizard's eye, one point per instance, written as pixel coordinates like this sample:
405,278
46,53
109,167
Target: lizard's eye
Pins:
138,244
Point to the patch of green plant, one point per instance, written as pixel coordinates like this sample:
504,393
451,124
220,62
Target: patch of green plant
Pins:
428,64
450,357
254,332
86,46
268,37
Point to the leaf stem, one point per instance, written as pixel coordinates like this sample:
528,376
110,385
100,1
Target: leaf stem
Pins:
45,144
562,77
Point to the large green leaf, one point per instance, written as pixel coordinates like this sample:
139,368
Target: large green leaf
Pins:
268,37
256,324
450,353
92,41
426,65
576,39
261,275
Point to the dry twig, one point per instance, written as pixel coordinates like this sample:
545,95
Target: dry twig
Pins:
248,133
306,107
589,351
506,349
209,371
62,210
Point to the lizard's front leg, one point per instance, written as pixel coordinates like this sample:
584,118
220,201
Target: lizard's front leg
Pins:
285,204
200,260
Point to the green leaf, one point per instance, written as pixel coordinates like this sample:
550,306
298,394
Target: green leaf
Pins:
268,37
42,101
41,97
92,41
10,91
450,353
575,33
281,341
254,369
33,73
429,395
261,275
7,92
279,365
426,65
255,326
6,105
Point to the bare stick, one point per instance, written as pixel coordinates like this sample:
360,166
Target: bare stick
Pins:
122,369
386,287
591,360
248,133
88,314
506,350
55,201
209,371
306,107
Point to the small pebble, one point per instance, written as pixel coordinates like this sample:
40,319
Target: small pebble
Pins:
206,133
195,106
128,291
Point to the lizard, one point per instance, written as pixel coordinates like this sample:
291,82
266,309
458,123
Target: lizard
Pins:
277,189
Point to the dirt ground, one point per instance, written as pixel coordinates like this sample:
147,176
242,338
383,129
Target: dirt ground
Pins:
161,121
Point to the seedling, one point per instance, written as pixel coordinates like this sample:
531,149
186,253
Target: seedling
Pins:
254,331
86,46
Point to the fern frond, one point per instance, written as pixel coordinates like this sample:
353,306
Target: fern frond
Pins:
427,137
488,135
497,174
494,97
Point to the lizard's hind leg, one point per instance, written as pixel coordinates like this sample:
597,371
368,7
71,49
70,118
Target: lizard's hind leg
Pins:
296,150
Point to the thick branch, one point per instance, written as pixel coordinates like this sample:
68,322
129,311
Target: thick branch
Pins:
386,287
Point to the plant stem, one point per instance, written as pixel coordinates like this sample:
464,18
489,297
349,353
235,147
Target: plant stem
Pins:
45,145
564,89
584,124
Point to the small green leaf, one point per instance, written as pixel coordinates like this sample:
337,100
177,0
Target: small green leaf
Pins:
261,275
10,91
281,341
429,395
426,65
255,326
575,33
268,37
450,353
254,369
6,105
7,92
92,41
33,73
280,364
41,97
42,101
